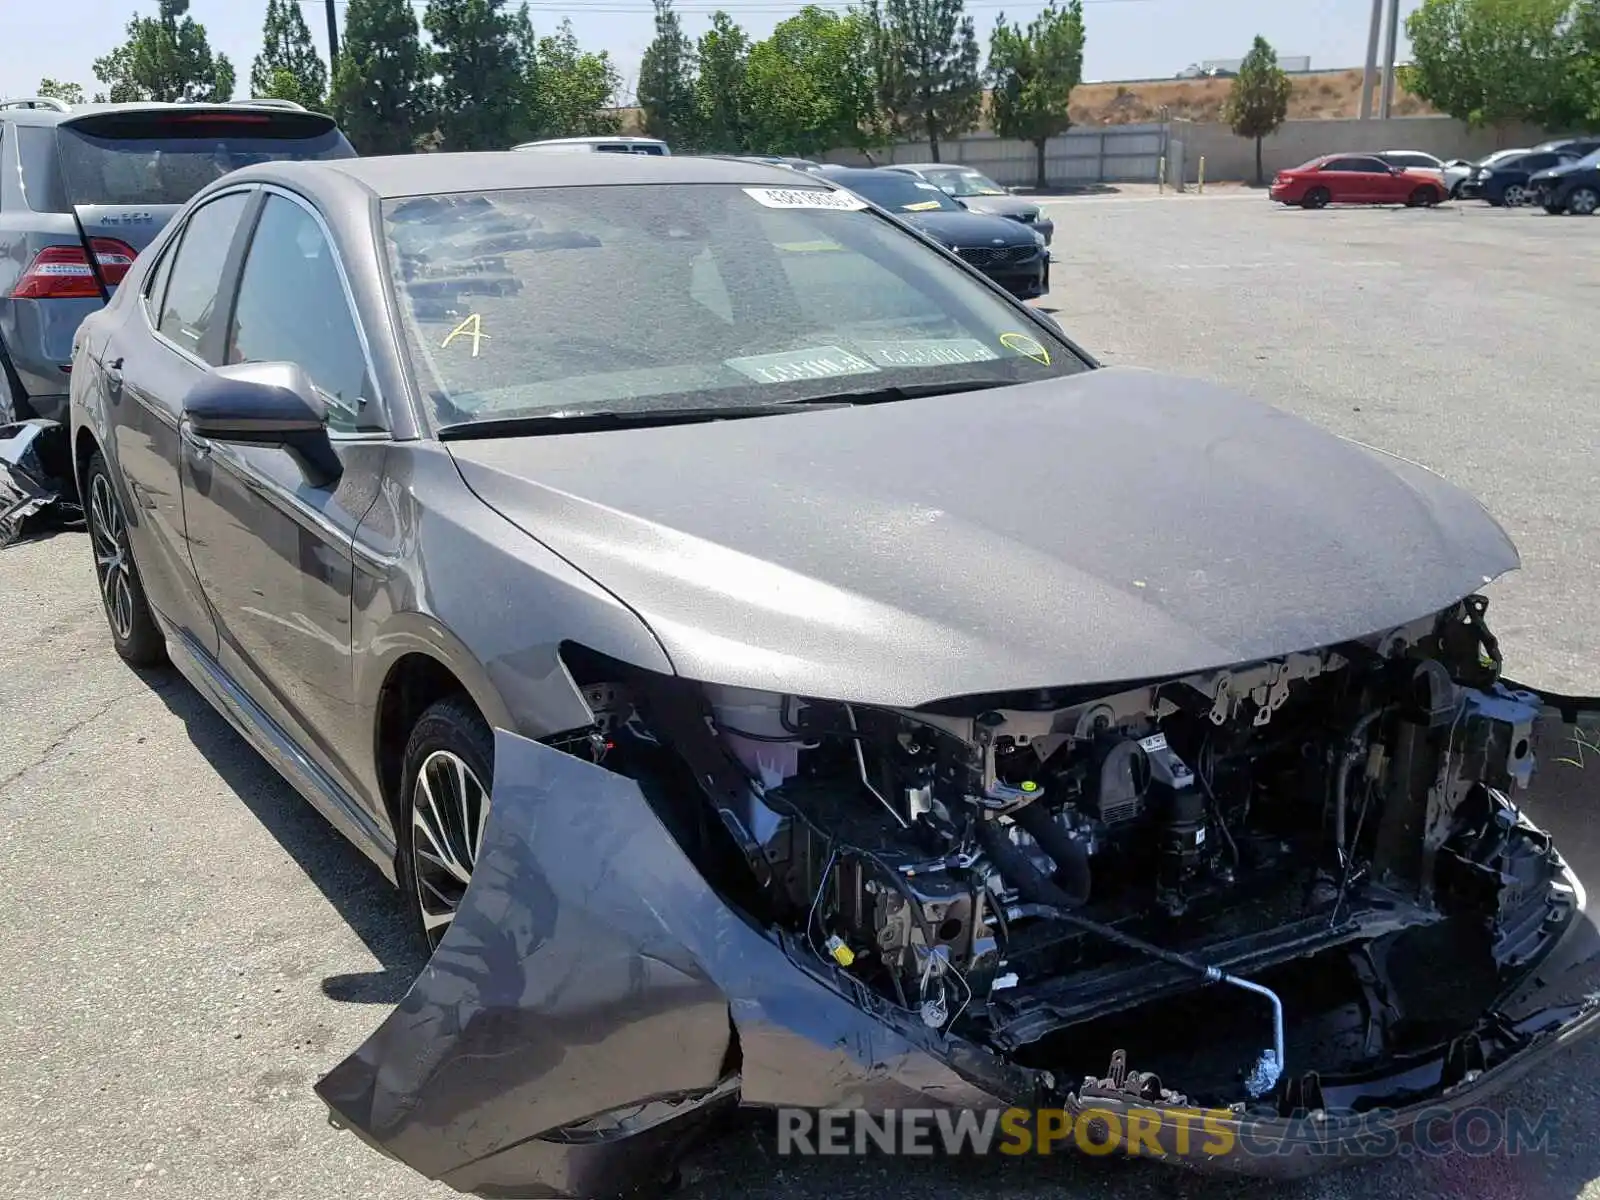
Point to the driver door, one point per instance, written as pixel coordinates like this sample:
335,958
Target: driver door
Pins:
274,550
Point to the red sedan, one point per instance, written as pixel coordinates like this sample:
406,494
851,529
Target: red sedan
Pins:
1354,179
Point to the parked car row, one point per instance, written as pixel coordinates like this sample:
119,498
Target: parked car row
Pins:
1563,175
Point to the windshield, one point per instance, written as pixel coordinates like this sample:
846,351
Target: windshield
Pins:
899,193
627,299
965,183
1592,159
166,162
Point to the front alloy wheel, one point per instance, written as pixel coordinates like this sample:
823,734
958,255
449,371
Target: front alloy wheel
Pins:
1583,202
449,765
448,812
1516,195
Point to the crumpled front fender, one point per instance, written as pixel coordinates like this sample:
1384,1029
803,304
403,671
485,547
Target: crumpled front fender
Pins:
595,1003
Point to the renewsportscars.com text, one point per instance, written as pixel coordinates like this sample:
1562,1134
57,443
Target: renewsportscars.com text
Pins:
1162,1132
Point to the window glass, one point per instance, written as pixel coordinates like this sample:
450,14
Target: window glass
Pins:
292,308
633,298
158,158
156,288
190,302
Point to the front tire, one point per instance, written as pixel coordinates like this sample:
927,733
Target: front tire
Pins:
1317,197
133,629
1423,197
1583,201
449,766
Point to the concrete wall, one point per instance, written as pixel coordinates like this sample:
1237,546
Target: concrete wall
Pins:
1091,154
1232,158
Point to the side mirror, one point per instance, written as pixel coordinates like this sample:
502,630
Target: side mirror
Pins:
265,404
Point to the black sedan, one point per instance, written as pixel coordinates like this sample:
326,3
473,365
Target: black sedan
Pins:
1013,254
976,192
776,667
1506,182
1573,187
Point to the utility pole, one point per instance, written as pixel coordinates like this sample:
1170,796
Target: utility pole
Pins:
1390,50
1369,74
333,37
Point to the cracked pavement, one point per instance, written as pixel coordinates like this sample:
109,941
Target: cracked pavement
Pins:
188,945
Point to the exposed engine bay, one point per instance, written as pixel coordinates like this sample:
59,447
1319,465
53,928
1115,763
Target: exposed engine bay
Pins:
1260,882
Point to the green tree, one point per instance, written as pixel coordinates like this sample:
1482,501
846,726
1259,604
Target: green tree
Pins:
379,94
1031,76
567,91
722,93
1586,63
1492,62
1259,100
288,67
666,81
810,85
926,59
165,57
478,71
67,93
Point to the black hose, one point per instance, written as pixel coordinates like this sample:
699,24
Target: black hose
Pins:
1018,870
1067,852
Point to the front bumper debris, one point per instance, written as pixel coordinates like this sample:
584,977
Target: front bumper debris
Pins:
596,1007
35,477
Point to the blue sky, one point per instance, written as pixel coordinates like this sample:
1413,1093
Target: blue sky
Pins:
1127,39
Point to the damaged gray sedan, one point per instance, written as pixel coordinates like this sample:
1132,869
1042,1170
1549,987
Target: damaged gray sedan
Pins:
778,668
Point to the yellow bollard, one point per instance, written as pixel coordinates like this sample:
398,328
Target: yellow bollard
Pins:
1161,175
1201,189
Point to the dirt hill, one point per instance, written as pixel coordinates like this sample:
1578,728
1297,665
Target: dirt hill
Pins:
1325,95
1328,95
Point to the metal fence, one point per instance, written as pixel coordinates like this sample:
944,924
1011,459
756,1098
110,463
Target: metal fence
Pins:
1101,154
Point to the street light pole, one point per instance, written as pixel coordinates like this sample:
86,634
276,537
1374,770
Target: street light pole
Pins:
1390,50
1369,75
333,37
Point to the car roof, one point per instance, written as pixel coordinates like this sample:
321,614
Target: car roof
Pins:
940,166
591,141
391,176
846,174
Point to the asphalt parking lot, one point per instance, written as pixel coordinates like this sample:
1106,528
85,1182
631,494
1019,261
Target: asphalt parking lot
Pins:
187,946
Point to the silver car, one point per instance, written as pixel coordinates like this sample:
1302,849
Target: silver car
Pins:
975,191
83,189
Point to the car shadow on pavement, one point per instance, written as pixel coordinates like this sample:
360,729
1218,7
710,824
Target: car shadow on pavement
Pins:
349,881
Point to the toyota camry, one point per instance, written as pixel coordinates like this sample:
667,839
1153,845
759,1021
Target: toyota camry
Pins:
777,667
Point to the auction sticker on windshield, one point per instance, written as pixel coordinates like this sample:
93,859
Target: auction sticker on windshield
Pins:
820,362
806,198
927,352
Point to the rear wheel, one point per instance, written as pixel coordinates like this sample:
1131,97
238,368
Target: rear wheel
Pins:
133,629
449,765
1583,202
1317,197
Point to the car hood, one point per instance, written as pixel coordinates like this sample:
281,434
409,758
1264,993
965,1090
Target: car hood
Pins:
1567,168
971,229
1104,527
999,206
